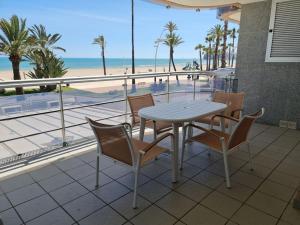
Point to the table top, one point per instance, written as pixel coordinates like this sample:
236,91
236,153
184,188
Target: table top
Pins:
181,111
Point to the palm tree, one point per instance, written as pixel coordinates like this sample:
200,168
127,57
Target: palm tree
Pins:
170,27
43,40
225,33
233,37
205,50
209,39
172,40
132,43
217,31
15,43
101,42
41,57
200,48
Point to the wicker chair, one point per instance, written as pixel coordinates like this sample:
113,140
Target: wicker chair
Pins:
115,142
222,142
235,106
138,102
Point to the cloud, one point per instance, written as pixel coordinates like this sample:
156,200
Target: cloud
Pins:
89,15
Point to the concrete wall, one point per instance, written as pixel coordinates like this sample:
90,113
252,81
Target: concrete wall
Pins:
275,86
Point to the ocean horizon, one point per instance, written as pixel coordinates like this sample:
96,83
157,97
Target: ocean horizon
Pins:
86,63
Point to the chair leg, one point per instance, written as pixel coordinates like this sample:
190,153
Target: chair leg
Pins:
250,158
97,168
183,147
137,171
227,176
154,135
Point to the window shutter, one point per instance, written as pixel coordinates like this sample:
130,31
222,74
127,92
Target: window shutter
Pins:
284,32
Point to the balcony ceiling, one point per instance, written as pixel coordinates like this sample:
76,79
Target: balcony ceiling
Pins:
203,3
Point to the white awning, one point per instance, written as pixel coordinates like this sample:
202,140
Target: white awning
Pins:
203,3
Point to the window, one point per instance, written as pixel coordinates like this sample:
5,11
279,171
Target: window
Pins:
284,32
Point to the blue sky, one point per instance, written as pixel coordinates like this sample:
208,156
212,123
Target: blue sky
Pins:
79,21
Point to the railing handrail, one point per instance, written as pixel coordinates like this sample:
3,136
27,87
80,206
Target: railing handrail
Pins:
85,79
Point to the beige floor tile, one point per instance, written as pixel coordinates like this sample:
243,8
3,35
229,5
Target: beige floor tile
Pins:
5,204
284,179
153,191
247,179
110,192
258,170
209,179
153,216
194,190
203,216
124,205
36,207
68,193
83,206
276,190
179,223
166,179
24,194
103,216
238,191
45,172
56,216
221,204
10,217
171,202
250,216
267,204
291,215
56,182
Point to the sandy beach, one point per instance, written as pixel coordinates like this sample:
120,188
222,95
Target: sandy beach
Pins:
8,75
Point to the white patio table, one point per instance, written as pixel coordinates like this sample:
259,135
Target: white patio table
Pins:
178,113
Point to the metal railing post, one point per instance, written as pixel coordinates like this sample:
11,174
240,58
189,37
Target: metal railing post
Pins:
194,93
168,87
62,117
125,98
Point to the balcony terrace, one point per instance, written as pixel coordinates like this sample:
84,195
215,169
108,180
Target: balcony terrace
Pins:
43,181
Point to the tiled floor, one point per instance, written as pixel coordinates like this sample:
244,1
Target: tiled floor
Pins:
63,193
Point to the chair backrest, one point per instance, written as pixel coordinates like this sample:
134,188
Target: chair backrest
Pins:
220,97
233,100
236,101
240,134
113,141
138,102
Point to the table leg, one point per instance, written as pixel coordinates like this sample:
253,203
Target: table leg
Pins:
142,128
176,152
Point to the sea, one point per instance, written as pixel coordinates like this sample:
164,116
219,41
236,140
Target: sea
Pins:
85,63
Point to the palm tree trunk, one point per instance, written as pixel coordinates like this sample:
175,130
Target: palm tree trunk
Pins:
209,55
170,59
200,55
215,63
207,61
229,55
223,65
132,41
16,72
103,60
173,63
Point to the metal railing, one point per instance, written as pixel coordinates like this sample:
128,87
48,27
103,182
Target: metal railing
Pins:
60,82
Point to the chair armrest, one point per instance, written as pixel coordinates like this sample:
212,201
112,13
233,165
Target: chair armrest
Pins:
203,129
152,144
226,117
129,127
